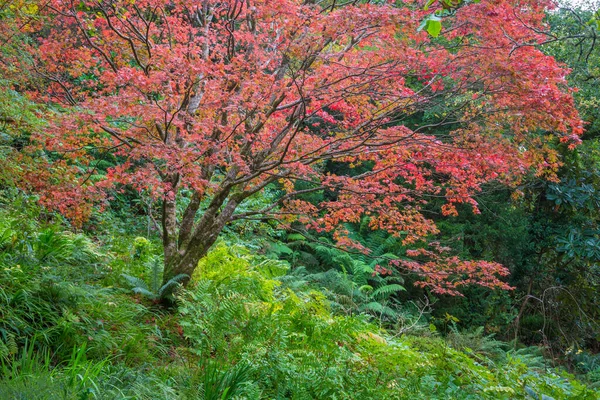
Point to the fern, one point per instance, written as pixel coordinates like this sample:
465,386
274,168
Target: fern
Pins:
155,291
361,272
530,356
385,291
343,275
135,282
144,292
168,288
372,306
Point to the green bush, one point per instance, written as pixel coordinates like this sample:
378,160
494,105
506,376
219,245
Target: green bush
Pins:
237,313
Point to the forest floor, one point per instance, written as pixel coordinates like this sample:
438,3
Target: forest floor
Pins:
248,326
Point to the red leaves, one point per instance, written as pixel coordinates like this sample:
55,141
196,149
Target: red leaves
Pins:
446,274
226,97
58,184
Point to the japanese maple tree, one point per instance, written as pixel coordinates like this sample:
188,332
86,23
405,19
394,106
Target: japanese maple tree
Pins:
219,99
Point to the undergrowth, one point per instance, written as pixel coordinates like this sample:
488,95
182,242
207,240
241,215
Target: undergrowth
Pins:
247,327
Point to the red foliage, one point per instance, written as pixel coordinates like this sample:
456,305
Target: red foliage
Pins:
226,97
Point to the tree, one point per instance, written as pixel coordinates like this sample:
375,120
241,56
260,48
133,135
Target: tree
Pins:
209,103
573,40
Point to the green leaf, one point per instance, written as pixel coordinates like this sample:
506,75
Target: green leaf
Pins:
531,392
432,24
434,27
366,288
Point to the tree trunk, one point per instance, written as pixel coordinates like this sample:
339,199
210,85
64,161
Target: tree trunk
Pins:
183,249
184,263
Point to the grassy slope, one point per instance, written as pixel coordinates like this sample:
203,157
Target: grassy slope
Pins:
68,329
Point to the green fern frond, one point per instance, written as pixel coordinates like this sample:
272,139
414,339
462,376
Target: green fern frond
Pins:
280,248
373,307
376,241
386,291
390,312
296,237
361,273
144,292
385,248
135,282
168,288
383,258
327,256
366,288
156,270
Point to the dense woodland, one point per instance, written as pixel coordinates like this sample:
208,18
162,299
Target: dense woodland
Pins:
254,199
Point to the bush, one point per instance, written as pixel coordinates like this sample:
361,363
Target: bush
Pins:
236,312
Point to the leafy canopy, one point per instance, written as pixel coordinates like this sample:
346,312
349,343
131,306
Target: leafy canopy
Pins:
222,99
